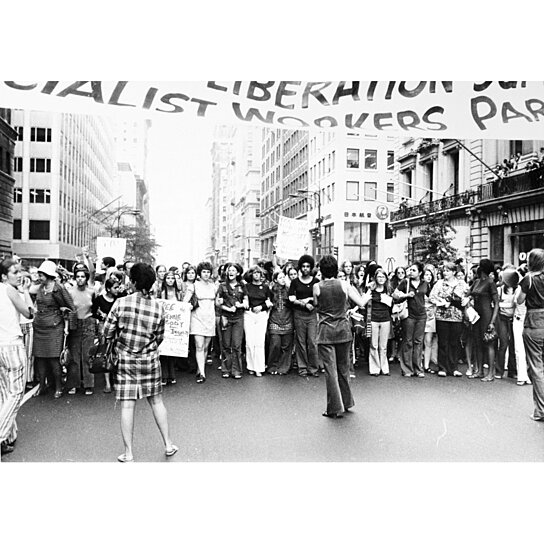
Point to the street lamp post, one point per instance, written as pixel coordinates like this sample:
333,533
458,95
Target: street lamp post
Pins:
120,214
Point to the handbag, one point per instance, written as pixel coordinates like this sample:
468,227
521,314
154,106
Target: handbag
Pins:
101,358
490,335
400,310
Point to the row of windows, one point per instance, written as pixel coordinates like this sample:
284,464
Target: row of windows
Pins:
37,230
36,165
370,159
36,196
324,166
37,134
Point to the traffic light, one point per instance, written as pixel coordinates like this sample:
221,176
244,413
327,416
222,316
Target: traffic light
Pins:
335,251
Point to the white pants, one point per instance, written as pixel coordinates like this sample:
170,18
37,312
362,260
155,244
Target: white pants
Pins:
521,360
255,332
378,348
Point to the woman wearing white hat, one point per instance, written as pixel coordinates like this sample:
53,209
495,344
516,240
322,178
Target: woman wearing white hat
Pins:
51,298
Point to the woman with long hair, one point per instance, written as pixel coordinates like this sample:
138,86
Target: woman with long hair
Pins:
347,268
430,341
379,302
257,303
280,327
169,290
532,293
203,317
136,326
486,302
230,300
507,307
447,296
188,277
396,324
160,272
102,305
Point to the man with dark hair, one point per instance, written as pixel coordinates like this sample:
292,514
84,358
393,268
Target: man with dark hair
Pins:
301,297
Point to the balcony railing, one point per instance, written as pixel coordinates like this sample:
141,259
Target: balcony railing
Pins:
444,204
514,184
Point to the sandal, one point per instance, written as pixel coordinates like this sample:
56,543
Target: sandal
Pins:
487,379
124,458
172,451
332,416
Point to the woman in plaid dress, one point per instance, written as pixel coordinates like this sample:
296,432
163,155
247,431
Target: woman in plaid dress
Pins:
136,325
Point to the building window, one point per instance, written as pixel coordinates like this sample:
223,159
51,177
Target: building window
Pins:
352,190
496,238
371,159
40,165
18,164
16,229
38,230
40,134
17,195
360,242
390,192
523,147
371,190
390,160
353,158
20,133
40,196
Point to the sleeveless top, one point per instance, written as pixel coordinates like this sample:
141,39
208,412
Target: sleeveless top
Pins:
10,330
333,326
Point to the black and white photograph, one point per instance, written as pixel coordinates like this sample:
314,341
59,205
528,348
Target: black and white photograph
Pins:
207,278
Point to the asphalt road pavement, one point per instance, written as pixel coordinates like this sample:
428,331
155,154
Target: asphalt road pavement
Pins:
278,419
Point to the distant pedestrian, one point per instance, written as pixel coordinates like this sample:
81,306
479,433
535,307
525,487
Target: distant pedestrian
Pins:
136,325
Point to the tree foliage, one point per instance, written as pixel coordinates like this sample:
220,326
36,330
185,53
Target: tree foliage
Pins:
439,234
141,244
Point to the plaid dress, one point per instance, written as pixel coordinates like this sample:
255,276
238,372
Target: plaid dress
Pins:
137,322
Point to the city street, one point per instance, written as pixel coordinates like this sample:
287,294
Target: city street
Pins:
278,418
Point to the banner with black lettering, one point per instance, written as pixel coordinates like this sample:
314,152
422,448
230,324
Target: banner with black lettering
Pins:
461,109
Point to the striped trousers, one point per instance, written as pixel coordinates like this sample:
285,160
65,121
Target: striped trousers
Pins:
28,338
12,388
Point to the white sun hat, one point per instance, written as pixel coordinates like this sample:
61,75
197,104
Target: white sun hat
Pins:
49,268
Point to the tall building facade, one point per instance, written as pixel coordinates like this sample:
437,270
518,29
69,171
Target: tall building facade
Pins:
7,145
131,151
352,187
64,169
235,200
496,217
222,154
284,181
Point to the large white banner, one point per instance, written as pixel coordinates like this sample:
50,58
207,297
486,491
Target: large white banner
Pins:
292,238
176,335
440,109
111,247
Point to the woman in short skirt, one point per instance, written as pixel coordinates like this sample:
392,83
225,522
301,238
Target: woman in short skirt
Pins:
136,324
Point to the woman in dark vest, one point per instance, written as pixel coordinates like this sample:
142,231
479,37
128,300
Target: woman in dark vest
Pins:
334,334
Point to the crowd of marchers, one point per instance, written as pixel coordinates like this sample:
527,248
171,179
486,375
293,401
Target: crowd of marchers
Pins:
268,319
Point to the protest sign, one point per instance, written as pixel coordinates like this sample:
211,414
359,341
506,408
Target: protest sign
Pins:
111,247
292,240
176,335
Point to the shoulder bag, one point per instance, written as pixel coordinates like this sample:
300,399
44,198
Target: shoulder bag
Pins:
101,358
400,310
